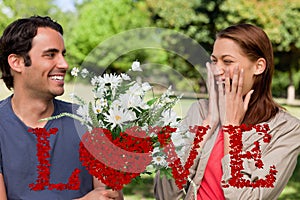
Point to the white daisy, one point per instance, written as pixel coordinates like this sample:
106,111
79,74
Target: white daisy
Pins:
169,117
125,77
84,72
118,117
159,160
130,101
99,92
136,90
167,93
155,150
96,80
116,104
83,111
97,108
136,66
146,86
112,79
75,71
102,102
177,138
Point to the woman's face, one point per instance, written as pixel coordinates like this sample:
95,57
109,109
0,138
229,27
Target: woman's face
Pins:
227,55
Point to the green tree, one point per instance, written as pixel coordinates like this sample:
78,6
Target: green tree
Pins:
196,19
201,19
25,8
97,21
11,10
280,19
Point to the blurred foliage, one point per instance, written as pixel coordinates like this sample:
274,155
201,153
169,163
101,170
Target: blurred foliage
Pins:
13,9
201,19
95,22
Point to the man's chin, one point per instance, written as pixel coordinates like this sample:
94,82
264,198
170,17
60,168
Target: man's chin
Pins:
58,93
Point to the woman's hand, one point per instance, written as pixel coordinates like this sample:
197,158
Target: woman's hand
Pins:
232,105
213,117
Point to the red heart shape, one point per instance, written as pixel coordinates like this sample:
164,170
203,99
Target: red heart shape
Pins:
115,162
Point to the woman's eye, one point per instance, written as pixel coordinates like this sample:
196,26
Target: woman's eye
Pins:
214,61
228,61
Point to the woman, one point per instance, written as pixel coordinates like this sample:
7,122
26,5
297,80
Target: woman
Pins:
239,78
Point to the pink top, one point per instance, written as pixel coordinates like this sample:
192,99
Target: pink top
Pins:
210,187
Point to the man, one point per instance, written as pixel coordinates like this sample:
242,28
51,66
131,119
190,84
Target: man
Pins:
32,59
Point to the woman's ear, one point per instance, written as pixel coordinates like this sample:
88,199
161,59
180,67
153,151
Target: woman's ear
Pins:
260,66
15,62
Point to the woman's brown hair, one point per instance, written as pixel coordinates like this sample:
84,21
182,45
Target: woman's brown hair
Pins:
255,44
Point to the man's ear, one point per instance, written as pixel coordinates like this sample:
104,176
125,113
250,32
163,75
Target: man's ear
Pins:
16,62
260,66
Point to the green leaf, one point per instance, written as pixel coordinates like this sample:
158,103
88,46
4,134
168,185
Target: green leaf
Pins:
93,116
152,101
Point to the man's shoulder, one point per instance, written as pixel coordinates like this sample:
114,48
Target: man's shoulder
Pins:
4,103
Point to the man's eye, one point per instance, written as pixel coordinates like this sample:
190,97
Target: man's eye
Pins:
51,55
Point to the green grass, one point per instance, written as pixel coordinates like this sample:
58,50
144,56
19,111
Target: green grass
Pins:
291,191
144,190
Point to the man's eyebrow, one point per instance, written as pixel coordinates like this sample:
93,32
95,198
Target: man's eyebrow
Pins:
54,50
50,50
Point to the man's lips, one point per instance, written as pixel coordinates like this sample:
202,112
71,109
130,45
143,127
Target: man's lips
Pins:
57,77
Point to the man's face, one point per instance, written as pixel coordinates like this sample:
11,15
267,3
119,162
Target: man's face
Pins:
45,76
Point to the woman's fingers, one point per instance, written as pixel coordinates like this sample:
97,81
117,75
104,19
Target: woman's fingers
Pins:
240,83
209,76
247,99
227,81
213,111
211,80
235,81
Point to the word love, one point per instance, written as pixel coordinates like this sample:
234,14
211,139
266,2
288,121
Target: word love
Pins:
116,161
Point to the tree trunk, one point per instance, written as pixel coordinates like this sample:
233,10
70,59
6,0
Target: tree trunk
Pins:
290,95
291,90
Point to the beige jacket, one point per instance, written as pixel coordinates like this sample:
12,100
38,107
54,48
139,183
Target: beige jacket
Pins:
282,151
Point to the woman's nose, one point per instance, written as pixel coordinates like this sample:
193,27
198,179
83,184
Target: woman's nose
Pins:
218,69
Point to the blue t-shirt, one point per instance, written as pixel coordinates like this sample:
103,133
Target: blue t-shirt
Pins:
19,161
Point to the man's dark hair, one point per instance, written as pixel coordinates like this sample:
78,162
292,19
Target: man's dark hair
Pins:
17,39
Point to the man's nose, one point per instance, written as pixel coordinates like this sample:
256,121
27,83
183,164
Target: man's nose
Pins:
62,63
